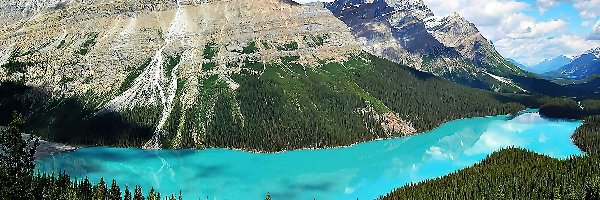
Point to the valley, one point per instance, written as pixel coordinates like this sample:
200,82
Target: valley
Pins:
278,98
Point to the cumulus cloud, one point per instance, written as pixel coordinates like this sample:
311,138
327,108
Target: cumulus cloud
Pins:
588,8
595,32
544,5
533,50
482,13
518,26
517,35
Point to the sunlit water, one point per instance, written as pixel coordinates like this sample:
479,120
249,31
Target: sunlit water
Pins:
364,171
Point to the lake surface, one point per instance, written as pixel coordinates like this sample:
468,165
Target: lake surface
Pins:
364,171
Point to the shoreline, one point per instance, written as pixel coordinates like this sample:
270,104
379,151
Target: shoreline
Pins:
48,148
60,148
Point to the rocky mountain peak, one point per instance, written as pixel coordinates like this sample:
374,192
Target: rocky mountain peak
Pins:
595,51
416,8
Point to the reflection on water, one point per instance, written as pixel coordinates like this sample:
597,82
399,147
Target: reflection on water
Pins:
364,171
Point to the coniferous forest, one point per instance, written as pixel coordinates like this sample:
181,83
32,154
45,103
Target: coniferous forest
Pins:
288,106
520,174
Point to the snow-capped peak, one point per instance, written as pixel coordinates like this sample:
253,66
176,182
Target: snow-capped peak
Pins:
595,51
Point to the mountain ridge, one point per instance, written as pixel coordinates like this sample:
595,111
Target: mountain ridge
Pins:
264,75
409,33
581,67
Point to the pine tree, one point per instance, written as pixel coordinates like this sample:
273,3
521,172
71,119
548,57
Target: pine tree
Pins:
137,194
16,161
85,189
152,194
100,191
268,196
115,191
127,194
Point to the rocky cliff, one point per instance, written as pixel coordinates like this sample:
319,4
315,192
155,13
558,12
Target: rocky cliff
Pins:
259,75
408,32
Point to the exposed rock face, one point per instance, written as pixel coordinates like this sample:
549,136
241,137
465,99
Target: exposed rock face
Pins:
407,32
135,53
456,32
108,35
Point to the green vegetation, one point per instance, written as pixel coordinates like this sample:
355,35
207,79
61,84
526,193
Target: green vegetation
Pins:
13,65
561,108
315,41
513,174
64,119
170,63
266,45
16,161
250,48
133,73
18,181
294,106
210,51
88,44
568,108
520,174
287,106
62,44
587,137
291,46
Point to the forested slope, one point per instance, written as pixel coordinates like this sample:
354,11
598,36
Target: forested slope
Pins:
520,174
277,106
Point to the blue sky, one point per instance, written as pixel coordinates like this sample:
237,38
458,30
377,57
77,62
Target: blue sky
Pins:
529,31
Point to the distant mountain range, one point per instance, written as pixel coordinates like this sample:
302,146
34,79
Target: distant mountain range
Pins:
518,64
581,67
547,65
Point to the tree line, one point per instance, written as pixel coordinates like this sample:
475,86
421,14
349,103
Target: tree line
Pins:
520,174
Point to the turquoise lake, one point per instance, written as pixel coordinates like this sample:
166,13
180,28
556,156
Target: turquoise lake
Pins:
363,171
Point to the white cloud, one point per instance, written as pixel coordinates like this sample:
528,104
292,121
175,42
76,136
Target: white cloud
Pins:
523,37
517,26
533,50
482,13
544,5
439,153
588,8
595,35
586,23
519,36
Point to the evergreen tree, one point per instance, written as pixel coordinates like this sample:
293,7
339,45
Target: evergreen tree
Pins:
85,189
127,194
101,191
16,161
137,194
152,194
268,196
115,191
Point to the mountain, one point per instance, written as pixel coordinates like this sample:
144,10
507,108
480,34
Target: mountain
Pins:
407,32
518,64
263,75
549,65
581,67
